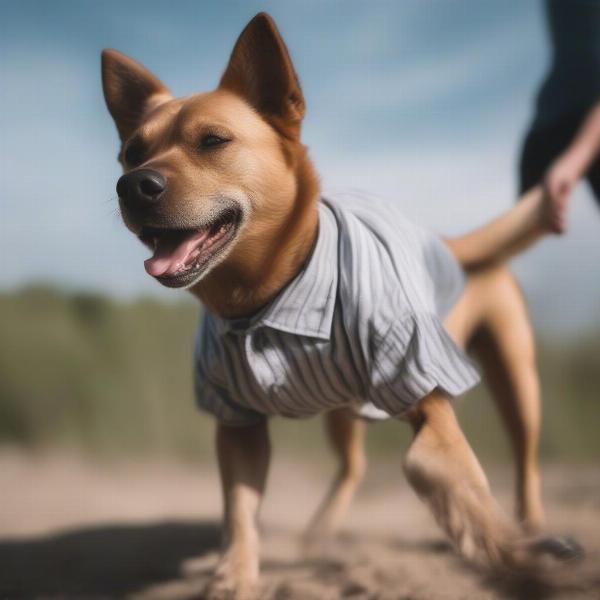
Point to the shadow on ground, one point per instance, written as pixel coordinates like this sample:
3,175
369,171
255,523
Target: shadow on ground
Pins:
101,561
116,561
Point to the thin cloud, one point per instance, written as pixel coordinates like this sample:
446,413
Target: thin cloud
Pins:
412,101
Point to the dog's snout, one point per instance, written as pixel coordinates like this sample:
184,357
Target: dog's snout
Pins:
141,186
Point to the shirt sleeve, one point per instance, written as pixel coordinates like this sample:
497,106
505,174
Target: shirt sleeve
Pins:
411,359
213,395
216,401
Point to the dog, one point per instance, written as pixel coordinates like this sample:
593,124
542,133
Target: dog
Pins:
221,189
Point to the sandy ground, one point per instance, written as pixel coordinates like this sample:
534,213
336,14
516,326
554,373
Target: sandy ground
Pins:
70,529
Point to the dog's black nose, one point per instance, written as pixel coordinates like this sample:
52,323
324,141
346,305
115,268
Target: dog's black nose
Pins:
141,186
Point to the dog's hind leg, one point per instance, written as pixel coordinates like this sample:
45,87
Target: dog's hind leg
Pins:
243,454
491,320
443,470
345,431
504,345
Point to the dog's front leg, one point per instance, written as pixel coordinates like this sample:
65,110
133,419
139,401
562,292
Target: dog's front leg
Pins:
445,473
243,454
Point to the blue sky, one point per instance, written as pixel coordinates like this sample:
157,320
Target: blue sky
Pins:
422,102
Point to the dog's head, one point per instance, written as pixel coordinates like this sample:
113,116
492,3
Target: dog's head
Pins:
205,175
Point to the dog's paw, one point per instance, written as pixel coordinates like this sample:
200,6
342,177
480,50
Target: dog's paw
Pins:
235,578
561,548
228,588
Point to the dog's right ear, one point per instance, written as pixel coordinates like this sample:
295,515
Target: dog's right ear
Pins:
260,70
129,90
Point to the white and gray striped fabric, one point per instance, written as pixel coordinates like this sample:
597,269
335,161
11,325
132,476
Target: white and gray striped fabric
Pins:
360,326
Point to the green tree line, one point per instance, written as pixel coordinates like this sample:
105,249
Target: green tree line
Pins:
86,372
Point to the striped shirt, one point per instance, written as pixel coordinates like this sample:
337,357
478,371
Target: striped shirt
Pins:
359,326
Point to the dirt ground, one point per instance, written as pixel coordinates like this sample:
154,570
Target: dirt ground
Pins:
71,529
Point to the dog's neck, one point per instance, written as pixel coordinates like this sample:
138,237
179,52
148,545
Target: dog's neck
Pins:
240,288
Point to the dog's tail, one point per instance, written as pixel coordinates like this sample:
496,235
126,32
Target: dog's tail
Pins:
509,234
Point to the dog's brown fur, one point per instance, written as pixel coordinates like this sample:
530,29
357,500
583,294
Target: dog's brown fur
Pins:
259,106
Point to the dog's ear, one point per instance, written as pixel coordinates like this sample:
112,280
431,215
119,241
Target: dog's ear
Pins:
261,71
129,90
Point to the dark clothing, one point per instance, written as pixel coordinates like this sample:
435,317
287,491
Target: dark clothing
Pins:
569,91
544,144
573,81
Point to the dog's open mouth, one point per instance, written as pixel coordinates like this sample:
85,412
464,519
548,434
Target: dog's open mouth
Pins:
181,256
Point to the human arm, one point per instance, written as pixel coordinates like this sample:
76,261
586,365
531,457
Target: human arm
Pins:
564,173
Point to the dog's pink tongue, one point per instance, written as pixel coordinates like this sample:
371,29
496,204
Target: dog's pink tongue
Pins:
170,255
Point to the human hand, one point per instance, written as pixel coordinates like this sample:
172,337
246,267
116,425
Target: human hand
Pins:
559,182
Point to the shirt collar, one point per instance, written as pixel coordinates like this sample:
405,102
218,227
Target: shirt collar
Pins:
306,305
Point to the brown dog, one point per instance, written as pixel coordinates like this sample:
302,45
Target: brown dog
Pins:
220,187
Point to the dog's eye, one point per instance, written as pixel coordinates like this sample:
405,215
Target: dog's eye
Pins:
134,154
211,140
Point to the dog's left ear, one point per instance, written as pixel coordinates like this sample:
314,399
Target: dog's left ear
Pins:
260,71
129,90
